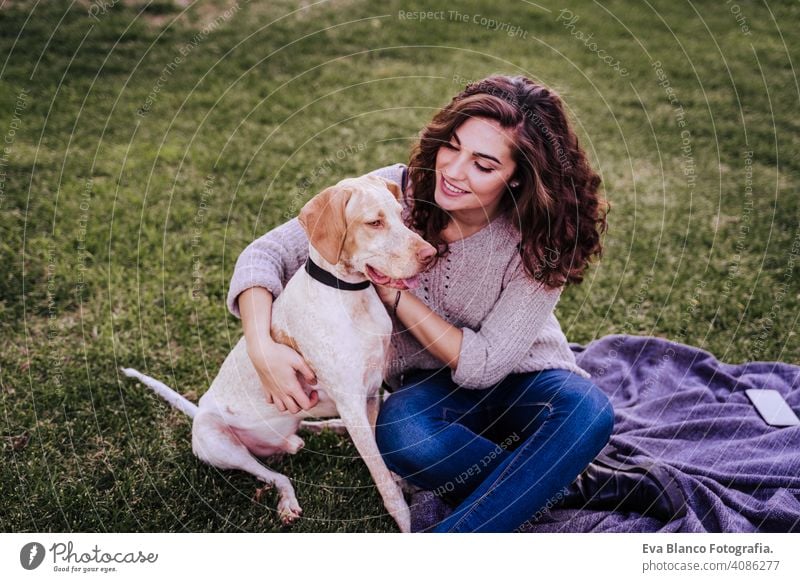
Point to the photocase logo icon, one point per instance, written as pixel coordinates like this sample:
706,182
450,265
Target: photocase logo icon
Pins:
31,555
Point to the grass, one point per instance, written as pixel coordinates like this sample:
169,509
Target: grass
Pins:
120,228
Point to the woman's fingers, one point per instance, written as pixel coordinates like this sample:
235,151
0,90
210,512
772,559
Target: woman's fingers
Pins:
279,405
291,404
278,370
306,371
299,398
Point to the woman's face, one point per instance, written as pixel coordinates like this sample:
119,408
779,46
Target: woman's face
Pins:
473,170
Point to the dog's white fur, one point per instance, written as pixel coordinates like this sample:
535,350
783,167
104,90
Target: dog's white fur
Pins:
343,336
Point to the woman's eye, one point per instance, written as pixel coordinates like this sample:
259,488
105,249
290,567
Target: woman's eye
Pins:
375,223
483,169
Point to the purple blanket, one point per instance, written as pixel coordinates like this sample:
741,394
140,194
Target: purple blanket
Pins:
678,404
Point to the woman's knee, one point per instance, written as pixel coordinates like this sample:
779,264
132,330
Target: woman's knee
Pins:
390,424
589,408
603,413
405,432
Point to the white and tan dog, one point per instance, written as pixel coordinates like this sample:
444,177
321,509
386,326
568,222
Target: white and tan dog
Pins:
356,234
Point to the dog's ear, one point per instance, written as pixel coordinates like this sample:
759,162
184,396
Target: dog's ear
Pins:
393,187
323,218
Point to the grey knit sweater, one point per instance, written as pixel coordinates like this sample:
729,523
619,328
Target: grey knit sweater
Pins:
481,287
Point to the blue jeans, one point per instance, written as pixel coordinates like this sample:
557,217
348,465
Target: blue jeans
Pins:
498,454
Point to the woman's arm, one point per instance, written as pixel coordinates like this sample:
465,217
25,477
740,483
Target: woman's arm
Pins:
277,365
269,262
481,359
440,338
255,307
261,272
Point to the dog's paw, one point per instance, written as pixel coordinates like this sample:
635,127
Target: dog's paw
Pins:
407,488
402,515
260,492
289,510
294,443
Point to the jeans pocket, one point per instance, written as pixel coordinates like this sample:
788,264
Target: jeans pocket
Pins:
513,425
451,415
417,376
475,420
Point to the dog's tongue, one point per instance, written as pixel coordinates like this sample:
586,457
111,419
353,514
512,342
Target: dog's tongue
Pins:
402,284
411,282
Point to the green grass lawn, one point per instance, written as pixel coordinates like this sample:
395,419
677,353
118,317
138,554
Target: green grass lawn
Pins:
145,146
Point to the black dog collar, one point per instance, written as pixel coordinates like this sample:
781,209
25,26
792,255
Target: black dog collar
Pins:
326,278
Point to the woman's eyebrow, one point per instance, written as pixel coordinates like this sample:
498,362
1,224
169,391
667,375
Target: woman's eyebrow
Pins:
480,155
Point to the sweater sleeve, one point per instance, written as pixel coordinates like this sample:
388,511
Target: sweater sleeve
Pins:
269,262
272,259
508,332
393,172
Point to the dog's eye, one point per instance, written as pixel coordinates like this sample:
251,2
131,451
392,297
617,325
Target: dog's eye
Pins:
376,223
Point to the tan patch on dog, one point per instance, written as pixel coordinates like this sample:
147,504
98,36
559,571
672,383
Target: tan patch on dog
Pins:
285,339
325,221
349,247
392,186
361,308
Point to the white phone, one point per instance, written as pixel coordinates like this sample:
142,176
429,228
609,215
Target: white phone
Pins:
772,407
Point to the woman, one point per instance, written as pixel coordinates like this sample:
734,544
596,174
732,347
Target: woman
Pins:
489,409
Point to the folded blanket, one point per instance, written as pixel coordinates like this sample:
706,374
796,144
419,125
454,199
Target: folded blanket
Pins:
678,404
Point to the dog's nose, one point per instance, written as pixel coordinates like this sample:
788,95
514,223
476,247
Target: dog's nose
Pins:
426,254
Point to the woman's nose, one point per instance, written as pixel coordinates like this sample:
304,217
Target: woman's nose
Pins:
456,168
456,165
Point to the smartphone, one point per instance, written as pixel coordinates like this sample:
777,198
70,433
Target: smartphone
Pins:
772,407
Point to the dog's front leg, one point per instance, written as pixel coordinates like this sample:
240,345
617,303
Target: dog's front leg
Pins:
373,408
361,431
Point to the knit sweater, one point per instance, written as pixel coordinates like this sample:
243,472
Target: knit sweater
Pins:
481,287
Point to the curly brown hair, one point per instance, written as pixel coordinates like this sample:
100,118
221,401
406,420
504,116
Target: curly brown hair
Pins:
556,206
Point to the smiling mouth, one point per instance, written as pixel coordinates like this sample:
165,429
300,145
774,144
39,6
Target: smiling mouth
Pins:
450,189
379,278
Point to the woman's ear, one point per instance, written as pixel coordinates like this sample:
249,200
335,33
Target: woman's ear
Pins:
324,220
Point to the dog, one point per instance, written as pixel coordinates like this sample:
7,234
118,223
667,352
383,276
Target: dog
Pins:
356,235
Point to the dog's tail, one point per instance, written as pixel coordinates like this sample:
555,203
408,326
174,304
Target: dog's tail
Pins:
164,391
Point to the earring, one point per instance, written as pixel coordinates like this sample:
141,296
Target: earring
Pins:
514,184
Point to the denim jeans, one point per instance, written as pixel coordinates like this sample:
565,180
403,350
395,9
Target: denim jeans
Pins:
499,454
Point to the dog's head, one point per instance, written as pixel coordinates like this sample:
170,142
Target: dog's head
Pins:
357,226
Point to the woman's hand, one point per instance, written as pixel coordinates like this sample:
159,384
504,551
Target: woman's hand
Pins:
278,367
